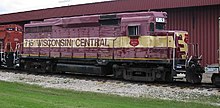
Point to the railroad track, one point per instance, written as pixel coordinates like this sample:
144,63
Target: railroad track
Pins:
103,79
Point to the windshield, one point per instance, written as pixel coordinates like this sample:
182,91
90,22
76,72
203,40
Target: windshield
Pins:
160,26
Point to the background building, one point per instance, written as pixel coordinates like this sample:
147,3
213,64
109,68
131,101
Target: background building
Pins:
199,17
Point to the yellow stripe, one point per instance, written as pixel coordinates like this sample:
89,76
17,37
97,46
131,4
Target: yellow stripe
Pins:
110,42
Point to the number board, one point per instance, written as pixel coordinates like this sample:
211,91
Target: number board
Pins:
161,20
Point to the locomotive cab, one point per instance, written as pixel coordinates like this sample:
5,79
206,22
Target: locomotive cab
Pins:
165,45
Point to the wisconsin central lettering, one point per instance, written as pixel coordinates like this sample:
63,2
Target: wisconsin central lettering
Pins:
91,42
67,42
55,43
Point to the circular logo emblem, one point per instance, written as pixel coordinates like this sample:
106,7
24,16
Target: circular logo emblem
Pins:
134,42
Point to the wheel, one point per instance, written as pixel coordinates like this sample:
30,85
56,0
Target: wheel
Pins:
192,76
216,79
26,66
168,77
118,71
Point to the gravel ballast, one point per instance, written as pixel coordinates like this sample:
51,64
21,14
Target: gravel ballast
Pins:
110,87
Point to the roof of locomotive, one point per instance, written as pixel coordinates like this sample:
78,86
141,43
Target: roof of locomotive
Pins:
96,18
4,27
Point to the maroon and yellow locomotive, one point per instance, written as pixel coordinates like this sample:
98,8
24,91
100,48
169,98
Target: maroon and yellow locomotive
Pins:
133,46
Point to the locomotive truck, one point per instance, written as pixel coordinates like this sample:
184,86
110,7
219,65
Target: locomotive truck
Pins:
132,46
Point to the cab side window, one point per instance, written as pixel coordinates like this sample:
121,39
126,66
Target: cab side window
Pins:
160,26
134,30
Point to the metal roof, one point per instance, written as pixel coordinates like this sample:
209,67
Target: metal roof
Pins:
103,7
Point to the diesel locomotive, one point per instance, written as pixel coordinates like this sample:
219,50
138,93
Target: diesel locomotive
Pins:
132,46
10,44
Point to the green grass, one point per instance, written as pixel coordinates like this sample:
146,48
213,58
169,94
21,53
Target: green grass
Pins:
16,95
